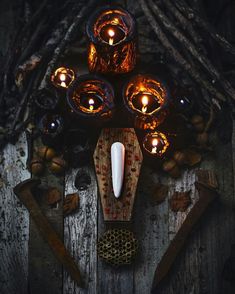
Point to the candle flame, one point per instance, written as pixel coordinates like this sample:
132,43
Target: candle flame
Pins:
62,77
91,104
154,144
111,34
145,102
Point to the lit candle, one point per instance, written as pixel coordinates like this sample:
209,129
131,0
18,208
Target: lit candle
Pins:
111,34
91,104
145,102
90,96
62,77
156,143
147,98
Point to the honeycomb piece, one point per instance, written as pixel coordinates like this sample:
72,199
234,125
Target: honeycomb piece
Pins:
117,247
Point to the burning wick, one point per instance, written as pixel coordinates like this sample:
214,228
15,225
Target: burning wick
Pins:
111,34
154,144
63,79
91,104
145,102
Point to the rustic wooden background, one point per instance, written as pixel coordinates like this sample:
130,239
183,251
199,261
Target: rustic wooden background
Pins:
24,260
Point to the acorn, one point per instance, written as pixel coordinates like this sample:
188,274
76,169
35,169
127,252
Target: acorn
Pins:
57,165
180,157
170,166
36,166
46,152
198,123
202,139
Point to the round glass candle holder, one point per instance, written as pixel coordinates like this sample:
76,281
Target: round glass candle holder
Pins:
62,77
112,41
147,98
156,143
51,127
46,99
91,96
183,100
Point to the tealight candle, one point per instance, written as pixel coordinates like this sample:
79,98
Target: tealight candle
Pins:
146,103
91,96
62,77
156,143
146,96
112,34
90,102
111,31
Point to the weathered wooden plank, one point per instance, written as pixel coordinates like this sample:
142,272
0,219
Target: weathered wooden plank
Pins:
80,233
159,225
45,271
14,220
199,266
151,226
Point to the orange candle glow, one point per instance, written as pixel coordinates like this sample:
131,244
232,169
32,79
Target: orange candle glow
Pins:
62,77
154,144
91,104
111,34
145,102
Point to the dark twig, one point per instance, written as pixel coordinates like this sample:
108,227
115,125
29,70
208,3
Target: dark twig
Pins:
46,50
177,56
35,17
185,23
200,57
202,23
67,38
34,38
21,106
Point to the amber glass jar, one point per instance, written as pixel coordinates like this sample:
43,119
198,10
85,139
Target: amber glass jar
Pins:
147,98
112,41
91,96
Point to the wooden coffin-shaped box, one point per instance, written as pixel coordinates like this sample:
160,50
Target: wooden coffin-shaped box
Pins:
117,209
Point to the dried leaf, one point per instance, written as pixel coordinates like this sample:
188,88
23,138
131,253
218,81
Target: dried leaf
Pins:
53,196
71,203
180,201
159,194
